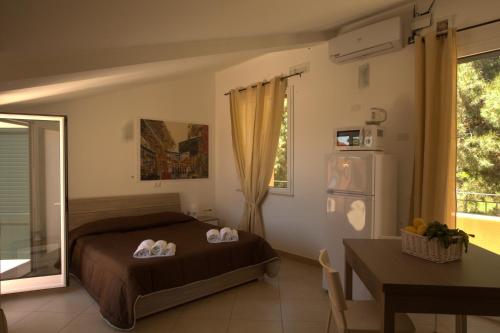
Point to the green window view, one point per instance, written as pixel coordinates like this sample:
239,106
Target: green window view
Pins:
280,175
478,147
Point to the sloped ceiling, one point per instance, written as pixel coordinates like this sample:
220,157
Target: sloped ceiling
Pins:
42,42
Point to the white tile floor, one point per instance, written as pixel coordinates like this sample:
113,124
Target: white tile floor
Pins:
292,303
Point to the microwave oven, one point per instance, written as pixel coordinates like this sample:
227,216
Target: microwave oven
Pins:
368,137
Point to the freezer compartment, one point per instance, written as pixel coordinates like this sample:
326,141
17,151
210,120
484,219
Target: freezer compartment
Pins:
350,172
351,216
348,216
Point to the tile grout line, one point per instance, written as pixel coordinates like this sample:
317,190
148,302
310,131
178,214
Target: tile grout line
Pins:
281,305
231,313
37,309
76,317
26,314
11,326
69,322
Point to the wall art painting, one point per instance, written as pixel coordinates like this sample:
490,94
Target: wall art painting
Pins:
172,150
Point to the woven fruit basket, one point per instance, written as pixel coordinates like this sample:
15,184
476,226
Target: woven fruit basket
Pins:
433,250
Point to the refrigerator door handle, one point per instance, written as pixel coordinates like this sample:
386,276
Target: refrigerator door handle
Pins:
348,194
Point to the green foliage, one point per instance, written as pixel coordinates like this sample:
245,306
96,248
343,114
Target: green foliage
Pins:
478,134
280,164
447,236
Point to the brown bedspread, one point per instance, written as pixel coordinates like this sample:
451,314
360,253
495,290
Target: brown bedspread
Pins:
101,257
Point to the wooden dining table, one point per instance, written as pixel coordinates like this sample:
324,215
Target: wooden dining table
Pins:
401,283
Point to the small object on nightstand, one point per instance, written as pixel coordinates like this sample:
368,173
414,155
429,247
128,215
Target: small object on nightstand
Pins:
208,219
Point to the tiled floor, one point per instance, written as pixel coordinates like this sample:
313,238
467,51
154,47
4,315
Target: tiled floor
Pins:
292,303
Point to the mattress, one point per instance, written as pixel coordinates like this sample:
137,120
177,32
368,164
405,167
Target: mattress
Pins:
101,258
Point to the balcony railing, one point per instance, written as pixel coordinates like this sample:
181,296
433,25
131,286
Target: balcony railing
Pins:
478,203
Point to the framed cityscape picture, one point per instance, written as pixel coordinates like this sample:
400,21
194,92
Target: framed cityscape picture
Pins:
171,150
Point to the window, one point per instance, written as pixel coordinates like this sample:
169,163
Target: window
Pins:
282,180
478,144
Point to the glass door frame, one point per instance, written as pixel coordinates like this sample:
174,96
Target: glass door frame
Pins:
50,281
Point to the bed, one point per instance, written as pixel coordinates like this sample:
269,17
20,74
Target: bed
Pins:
104,233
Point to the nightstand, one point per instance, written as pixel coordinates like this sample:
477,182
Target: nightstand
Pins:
208,219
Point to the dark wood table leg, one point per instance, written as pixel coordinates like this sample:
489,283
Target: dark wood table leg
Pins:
388,317
348,281
461,324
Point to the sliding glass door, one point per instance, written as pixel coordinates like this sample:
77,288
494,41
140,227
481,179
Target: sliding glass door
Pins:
32,202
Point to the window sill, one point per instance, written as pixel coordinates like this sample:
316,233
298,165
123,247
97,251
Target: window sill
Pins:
282,193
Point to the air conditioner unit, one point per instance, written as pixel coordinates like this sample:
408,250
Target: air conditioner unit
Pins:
371,40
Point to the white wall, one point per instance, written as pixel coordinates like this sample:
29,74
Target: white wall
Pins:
326,98
102,136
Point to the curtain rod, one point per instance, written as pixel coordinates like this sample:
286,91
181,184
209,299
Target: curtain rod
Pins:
266,82
412,40
478,25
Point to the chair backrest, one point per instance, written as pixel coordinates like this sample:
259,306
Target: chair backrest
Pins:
335,291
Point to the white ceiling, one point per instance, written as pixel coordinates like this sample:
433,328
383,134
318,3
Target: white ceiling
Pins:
53,24
42,39
79,84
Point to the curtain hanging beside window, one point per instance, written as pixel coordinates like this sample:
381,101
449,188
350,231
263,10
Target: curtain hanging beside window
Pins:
434,196
256,115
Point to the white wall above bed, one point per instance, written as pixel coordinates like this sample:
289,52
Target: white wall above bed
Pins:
102,138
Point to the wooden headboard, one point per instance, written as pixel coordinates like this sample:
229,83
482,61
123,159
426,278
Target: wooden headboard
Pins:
86,210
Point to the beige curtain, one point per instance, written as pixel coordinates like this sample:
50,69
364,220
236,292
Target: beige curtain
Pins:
435,151
256,115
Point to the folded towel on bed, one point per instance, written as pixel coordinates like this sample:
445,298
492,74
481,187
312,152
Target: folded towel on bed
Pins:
159,248
224,235
234,236
170,250
144,249
149,249
213,236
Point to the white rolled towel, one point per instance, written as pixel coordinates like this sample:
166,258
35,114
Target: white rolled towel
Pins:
213,236
170,250
159,248
226,234
234,235
144,249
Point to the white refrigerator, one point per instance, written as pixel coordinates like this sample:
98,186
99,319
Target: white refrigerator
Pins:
361,196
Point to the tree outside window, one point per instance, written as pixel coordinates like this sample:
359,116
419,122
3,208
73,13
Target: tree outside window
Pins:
281,179
478,149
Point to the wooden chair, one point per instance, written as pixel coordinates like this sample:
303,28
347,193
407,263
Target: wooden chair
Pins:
3,322
355,316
